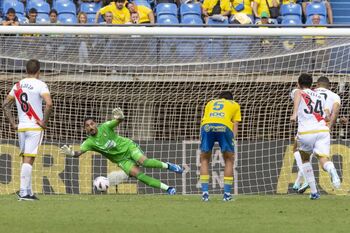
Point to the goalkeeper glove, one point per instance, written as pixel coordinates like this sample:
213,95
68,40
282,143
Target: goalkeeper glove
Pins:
118,114
67,150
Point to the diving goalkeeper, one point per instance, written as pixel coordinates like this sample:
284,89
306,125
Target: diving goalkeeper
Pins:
120,150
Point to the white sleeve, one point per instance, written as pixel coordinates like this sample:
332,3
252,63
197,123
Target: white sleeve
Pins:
12,92
292,94
337,99
44,89
328,104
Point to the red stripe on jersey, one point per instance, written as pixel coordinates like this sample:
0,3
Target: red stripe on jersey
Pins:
307,100
30,113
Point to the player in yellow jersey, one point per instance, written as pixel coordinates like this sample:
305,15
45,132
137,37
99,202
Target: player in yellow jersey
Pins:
219,124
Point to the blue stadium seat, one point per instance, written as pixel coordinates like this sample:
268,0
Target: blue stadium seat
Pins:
291,20
21,18
291,9
212,22
90,7
42,18
191,19
18,6
316,9
192,9
54,2
166,9
39,5
191,14
91,18
167,19
143,3
67,18
65,6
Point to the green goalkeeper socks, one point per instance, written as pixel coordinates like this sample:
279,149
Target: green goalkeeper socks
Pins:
153,163
148,180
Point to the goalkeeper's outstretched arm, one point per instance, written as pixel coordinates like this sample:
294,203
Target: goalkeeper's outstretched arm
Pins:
68,150
118,117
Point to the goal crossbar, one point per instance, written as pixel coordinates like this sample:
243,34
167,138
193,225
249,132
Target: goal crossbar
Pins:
175,31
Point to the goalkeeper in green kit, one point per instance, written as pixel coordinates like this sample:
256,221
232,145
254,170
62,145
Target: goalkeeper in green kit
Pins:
120,150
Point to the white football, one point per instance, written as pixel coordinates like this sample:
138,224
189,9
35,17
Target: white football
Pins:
117,177
101,183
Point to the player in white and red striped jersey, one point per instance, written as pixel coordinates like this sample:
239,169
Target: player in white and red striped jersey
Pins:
28,94
333,104
313,133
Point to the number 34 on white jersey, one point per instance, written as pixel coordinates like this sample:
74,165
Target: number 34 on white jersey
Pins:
311,111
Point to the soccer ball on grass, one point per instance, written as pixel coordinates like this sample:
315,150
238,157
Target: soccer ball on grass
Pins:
101,183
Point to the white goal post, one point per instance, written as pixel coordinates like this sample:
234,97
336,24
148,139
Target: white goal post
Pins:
162,77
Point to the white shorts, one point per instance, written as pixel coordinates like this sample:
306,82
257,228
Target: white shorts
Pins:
29,142
317,143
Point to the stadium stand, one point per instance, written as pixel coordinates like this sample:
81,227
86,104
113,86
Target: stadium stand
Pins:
291,14
40,5
18,6
143,3
191,14
341,9
316,9
167,13
66,11
90,8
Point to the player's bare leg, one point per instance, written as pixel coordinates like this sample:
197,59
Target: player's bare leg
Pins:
228,175
204,174
309,174
150,181
328,166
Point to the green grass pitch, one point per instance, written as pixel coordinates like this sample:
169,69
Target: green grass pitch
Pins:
181,214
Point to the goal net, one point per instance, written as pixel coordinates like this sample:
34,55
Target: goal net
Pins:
162,82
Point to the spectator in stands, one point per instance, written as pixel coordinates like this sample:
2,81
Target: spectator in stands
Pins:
242,7
326,4
269,6
316,19
121,14
145,14
53,16
32,14
216,9
241,18
108,18
135,18
264,19
83,48
10,18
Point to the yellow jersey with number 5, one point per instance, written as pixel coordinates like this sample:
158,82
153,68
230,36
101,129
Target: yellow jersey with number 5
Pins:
222,111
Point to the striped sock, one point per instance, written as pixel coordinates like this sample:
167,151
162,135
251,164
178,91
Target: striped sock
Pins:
228,184
204,183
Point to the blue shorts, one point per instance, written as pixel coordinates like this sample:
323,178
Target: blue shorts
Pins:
211,133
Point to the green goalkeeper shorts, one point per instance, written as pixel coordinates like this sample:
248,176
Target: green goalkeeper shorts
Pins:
131,159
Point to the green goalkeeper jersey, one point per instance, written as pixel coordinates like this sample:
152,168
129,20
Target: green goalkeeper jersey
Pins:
108,143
